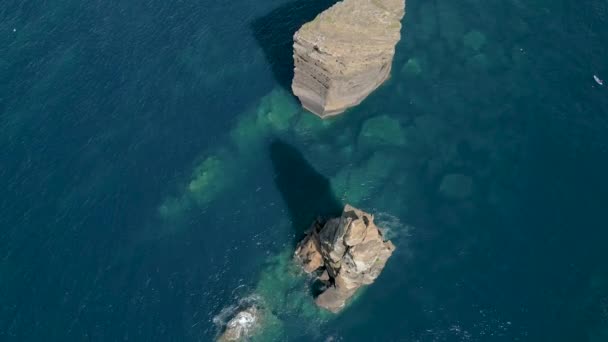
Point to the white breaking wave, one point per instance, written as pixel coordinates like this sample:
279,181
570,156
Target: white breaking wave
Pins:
223,317
392,228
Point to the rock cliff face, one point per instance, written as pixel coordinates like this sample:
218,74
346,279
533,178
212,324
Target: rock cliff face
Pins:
345,53
346,253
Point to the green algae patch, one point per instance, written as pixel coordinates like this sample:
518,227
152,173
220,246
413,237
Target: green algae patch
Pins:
382,130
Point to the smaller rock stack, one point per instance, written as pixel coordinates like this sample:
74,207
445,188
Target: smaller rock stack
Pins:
346,253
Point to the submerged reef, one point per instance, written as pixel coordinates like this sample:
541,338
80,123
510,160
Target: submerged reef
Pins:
474,40
274,114
218,169
356,184
345,53
280,299
206,182
301,290
435,145
346,252
382,130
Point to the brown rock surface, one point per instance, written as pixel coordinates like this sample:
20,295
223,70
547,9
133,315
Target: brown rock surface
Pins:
349,251
309,252
345,53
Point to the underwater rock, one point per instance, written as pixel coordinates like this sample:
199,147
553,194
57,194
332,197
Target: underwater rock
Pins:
355,185
206,183
474,40
310,125
284,292
206,178
242,326
345,53
478,62
456,186
277,110
275,113
352,251
382,130
412,67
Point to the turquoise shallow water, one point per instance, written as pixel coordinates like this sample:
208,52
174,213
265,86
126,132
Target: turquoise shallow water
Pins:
156,171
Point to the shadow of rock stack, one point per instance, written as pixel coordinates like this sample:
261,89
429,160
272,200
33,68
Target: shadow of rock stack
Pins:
274,32
306,192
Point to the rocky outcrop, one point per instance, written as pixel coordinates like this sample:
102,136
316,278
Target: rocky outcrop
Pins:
242,326
345,253
345,53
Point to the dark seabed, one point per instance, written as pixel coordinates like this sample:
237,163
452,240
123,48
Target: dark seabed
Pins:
155,171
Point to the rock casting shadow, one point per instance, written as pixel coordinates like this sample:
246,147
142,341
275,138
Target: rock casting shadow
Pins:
306,192
274,32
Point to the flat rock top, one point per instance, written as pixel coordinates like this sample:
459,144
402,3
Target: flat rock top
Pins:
361,25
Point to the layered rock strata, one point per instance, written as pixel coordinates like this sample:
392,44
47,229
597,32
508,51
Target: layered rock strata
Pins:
345,253
345,53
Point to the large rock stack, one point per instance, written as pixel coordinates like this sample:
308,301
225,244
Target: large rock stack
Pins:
346,252
345,53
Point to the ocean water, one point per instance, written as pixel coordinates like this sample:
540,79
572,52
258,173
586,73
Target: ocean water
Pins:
156,172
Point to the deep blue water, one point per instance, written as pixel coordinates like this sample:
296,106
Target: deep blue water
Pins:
155,170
